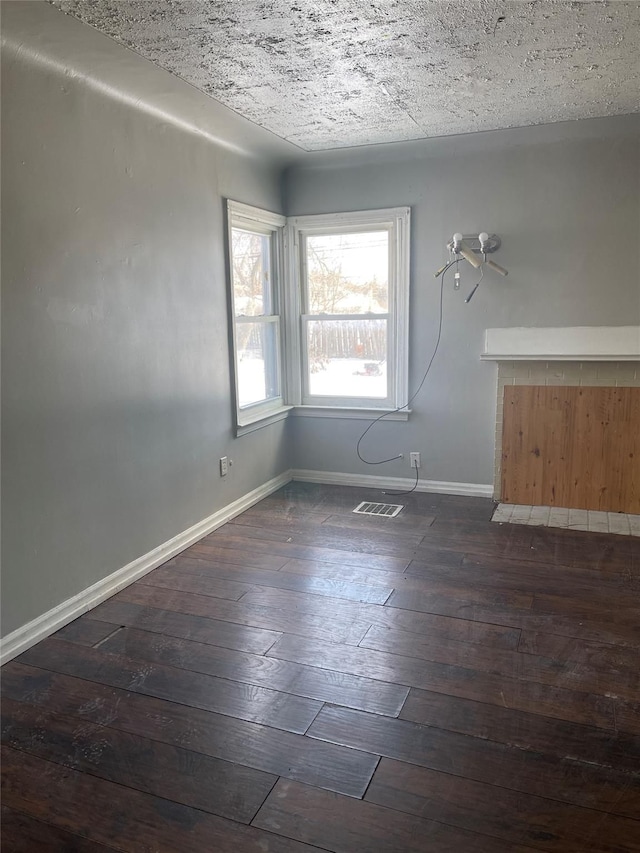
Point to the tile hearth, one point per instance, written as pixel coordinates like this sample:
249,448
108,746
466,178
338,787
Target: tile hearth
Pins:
594,521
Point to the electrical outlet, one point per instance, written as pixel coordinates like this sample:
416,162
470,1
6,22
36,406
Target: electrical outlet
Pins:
224,466
414,459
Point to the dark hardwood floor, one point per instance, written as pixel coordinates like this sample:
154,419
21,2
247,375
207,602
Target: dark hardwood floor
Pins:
306,679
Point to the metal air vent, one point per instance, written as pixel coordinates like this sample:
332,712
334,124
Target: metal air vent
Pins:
385,510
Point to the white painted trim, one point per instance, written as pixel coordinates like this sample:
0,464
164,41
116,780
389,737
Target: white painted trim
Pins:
573,343
42,626
351,219
291,314
443,487
397,222
269,224
340,412
255,216
346,413
401,254
263,420
550,356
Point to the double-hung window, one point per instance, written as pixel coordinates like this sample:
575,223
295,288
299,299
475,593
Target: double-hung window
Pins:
255,249
319,312
353,277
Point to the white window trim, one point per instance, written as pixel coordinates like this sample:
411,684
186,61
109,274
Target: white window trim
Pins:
346,413
397,220
263,419
288,295
239,215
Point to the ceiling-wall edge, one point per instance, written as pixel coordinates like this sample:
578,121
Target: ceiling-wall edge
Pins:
60,42
459,145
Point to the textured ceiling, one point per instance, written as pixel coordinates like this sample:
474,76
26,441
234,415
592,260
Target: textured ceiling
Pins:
334,73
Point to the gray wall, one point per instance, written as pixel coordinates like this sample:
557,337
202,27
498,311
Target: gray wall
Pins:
115,363
565,201
116,392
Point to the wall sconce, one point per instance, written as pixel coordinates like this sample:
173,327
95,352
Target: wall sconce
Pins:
474,249
459,246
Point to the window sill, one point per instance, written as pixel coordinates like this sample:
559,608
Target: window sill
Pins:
349,412
258,421
344,413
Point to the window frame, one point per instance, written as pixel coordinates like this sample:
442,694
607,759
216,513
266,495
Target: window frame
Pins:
397,222
287,298
253,219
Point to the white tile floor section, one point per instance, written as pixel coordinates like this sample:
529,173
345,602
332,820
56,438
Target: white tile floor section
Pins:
571,519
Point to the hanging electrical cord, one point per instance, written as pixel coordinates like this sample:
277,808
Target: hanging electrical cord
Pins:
442,274
408,492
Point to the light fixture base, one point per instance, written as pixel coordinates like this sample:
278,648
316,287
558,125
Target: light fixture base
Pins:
472,242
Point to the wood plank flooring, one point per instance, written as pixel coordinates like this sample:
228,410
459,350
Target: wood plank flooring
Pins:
306,679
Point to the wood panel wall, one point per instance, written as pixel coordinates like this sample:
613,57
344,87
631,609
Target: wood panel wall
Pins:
572,447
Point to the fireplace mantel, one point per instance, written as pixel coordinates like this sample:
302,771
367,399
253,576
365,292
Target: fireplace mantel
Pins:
578,355
572,343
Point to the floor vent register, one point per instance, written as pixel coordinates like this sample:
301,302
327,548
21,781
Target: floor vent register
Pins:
384,510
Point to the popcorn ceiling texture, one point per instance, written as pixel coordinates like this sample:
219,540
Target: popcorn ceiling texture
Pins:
335,73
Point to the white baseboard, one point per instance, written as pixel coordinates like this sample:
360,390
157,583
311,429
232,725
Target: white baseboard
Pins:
335,478
42,626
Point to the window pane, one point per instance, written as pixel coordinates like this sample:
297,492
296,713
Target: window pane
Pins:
251,273
257,356
347,358
348,273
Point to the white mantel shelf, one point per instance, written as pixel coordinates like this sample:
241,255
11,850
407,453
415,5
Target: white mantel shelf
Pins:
572,343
